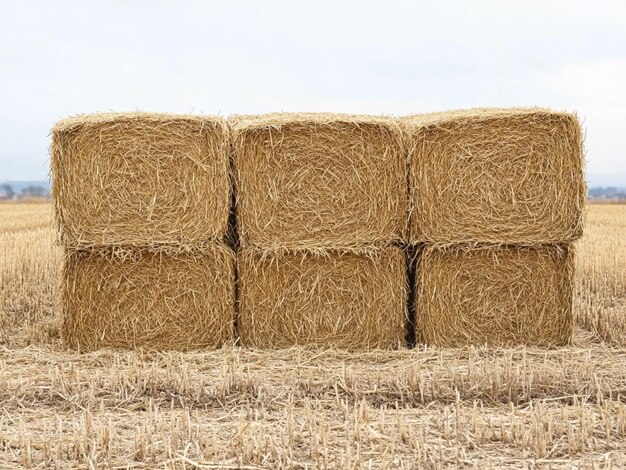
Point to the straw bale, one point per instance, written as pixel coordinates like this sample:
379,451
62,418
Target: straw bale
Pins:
319,180
149,299
140,179
510,176
345,300
501,296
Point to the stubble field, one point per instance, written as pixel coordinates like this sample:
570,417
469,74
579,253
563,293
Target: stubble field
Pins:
309,408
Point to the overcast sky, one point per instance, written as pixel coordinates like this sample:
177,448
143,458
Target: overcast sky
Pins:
61,57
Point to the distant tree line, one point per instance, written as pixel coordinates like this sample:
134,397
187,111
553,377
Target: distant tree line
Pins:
609,192
7,192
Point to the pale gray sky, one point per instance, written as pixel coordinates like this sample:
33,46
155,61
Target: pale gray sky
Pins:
63,57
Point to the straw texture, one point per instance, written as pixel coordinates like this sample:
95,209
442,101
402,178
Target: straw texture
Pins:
498,296
140,179
153,300
342,300
319,181
502,176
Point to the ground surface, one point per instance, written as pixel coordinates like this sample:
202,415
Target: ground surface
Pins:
298,408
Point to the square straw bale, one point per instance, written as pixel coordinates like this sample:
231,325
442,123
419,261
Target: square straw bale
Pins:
319,181
343,300
140,179
153,300
511,176
500,296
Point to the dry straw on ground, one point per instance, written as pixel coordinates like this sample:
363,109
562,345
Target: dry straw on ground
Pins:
495,176
140,179
319,180
153,300
344,300
310,407
495,295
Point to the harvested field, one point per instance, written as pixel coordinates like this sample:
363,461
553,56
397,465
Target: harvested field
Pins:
487,407
149,300
498,296
510,176
343,300
319,180
140,179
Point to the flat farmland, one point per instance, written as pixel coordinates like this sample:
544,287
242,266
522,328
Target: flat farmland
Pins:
472,407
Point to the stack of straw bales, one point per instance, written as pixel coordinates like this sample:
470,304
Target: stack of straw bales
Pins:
324,210
496,200
142,206
321,211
